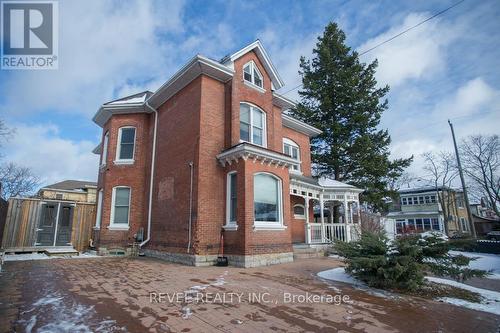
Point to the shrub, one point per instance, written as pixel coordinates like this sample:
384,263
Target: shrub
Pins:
403,263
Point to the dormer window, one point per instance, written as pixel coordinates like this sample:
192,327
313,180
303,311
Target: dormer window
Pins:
252,75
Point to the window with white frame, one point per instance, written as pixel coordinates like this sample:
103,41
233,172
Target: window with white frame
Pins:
465,226
126,144
252,74
267,200
232,199
120,207
252,124
99,209
292,149
299,211
104,155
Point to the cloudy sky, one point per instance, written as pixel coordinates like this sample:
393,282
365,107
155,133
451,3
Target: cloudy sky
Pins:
448,68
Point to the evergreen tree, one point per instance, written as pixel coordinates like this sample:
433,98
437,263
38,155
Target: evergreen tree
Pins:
340,97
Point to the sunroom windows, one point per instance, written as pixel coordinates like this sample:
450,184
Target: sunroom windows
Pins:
252,124
126,145
267,201
251,74
291,149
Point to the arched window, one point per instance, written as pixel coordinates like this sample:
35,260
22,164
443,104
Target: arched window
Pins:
252,74
252,124
299,211
292,149
267,200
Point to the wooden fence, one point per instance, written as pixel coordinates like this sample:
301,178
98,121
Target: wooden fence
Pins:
23,216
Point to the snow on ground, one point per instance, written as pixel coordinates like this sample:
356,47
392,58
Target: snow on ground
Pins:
43,256
485,261
490,302
339,274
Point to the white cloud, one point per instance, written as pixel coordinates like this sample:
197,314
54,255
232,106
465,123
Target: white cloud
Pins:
103,46
418,54
51,157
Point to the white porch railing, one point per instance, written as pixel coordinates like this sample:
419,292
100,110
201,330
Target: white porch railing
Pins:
332,232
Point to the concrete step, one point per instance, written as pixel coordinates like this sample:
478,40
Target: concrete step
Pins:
309,251
61,251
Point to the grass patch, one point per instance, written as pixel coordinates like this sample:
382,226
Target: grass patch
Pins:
431,290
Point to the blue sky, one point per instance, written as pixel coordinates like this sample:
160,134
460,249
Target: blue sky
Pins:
446,68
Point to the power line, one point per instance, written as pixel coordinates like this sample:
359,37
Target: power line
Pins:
395,36
413,27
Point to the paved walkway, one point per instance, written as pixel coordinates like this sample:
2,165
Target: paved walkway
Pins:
118,295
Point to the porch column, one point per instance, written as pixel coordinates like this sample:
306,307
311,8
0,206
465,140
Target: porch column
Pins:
346,224
358,207
350,212
322,215
308,226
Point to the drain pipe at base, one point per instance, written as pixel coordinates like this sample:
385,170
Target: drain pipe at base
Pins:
151,178
191,169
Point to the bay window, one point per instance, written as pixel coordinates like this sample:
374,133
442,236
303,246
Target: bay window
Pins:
126,145
252,124
120,208
267,200
231,200
292,149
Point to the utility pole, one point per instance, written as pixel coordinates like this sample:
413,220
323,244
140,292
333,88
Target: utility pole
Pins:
466,197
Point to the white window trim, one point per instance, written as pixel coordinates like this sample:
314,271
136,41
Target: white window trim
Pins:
264,125
119,226
98,218
301,217
118,147
251,84
287,141
270,225
230,225
104,155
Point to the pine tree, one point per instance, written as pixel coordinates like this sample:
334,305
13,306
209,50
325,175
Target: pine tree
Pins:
340,96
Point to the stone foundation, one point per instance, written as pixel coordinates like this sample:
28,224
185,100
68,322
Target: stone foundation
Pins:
210,260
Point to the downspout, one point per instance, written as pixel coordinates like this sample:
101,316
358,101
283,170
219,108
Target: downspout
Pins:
151,176
191,169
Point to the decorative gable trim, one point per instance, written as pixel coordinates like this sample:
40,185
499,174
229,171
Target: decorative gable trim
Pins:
256,46
248,151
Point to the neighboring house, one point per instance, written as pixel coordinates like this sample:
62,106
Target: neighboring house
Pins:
213,150
70,190
420,210
485,219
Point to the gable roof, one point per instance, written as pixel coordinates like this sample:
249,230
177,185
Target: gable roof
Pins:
257,47
69,185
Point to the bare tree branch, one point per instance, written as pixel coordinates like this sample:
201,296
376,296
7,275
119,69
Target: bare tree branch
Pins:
481,163
17,181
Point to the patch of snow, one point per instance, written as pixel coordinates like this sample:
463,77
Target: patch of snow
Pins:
485,261
335,256
490,302
186,312
339,275
43,256
26,256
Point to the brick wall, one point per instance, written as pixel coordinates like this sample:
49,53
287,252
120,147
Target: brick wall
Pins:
135,176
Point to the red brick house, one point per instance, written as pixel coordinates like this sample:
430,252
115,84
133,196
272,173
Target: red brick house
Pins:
213,150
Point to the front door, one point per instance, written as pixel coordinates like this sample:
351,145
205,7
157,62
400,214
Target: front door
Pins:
47,225
63,237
